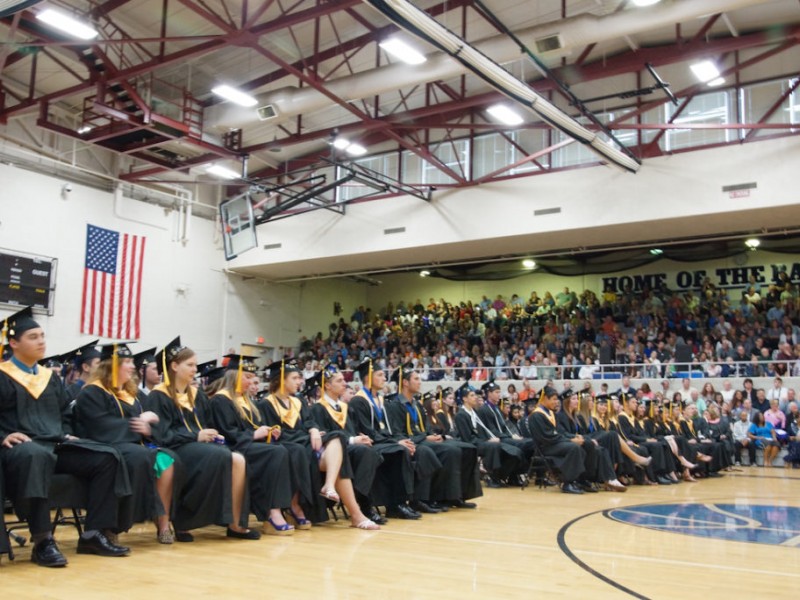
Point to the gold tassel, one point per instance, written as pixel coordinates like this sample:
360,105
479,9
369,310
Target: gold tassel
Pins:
322,383
400,379
652,409
239,375
369,376
282,369
164,367
3,339
114,369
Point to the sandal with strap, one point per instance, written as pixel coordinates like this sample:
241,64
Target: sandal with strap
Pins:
166,537
367,525
271,528
330,495
300,523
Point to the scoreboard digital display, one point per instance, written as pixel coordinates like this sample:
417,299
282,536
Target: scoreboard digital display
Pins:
27,280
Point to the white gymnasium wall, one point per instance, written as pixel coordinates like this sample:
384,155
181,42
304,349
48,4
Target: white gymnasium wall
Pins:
672,196
35,219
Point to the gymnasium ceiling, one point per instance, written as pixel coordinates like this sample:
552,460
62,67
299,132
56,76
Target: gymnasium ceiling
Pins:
139,94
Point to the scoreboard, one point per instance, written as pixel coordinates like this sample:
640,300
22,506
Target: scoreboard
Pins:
27,280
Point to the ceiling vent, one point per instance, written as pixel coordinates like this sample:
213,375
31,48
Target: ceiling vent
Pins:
551,43
266,112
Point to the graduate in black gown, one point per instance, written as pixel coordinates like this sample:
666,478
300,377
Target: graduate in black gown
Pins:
331,416
493,418
214,491
238,419
663,468
38,442
500,460
84,360
566,454
693,432
394,484
446,413
146,371
107,410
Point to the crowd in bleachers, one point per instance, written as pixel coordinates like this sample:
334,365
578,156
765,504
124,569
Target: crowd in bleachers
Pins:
753,332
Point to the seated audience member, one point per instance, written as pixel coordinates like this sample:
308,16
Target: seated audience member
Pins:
741,439
763,435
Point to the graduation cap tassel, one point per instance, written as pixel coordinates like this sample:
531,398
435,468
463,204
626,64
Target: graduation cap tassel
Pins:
114,368
652,409
369,376
239,376
164,366
3,334
282,371
322,381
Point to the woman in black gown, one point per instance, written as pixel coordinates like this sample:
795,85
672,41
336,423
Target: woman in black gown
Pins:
236,417
214,490
107,410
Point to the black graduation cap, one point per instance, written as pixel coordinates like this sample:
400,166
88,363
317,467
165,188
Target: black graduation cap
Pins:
82,355
51,361
428,396
248,363
286,366
364,366
214,373
168,353
18,323
204,368
489,386
464,389
401,371
548,391
601,400
142,359
122,351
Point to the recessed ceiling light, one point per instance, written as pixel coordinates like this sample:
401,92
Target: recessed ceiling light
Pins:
84,129
752,243
656,251
66,24
402,51
529,263
424,273
234,95
505,115
341,143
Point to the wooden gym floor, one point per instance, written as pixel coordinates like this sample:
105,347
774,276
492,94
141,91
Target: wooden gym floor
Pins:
727,537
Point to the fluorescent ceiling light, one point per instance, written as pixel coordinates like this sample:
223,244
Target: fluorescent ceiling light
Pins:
223,172
645,2
656,251
716,82
66,24
402,51
424,273
84,129
705,71
235,96
505,115
341,143
356,150
529,263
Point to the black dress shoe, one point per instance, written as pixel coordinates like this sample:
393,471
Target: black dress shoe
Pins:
250,534
98,544
46,554
495,483
376,517
402,511
424,507
587,487
571,488
462,504
663,480
438,505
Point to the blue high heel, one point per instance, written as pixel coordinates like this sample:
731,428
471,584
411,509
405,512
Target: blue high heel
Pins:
300,523
271,528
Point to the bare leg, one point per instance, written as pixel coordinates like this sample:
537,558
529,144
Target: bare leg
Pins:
238,474
628,451
331,463
164,489
296,508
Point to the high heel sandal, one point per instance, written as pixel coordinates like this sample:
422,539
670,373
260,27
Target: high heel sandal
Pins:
166,536
687,476
271,528
644,463
300,523
367,525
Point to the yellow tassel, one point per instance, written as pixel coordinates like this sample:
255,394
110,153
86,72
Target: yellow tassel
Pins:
164,367
652,409
282,369
114,368
400,379
3,338
369,376
239,376
541,395
322,382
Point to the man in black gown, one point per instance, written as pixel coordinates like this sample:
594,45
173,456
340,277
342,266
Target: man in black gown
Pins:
37,443
493,418
566,454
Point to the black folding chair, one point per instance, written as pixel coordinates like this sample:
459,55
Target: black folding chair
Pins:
542,468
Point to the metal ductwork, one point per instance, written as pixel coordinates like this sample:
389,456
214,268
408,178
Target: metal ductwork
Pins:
552,41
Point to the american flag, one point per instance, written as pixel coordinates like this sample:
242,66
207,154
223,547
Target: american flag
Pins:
112,284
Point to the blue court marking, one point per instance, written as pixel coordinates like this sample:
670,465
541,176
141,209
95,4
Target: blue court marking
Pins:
743,522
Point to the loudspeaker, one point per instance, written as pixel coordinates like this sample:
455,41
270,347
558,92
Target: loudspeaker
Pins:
683,354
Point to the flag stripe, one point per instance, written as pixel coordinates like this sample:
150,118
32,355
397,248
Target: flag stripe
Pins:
112,283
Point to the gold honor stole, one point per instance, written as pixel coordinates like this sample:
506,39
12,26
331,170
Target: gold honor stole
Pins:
547,414
34,384
185,400
339,416
120,395
287,415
